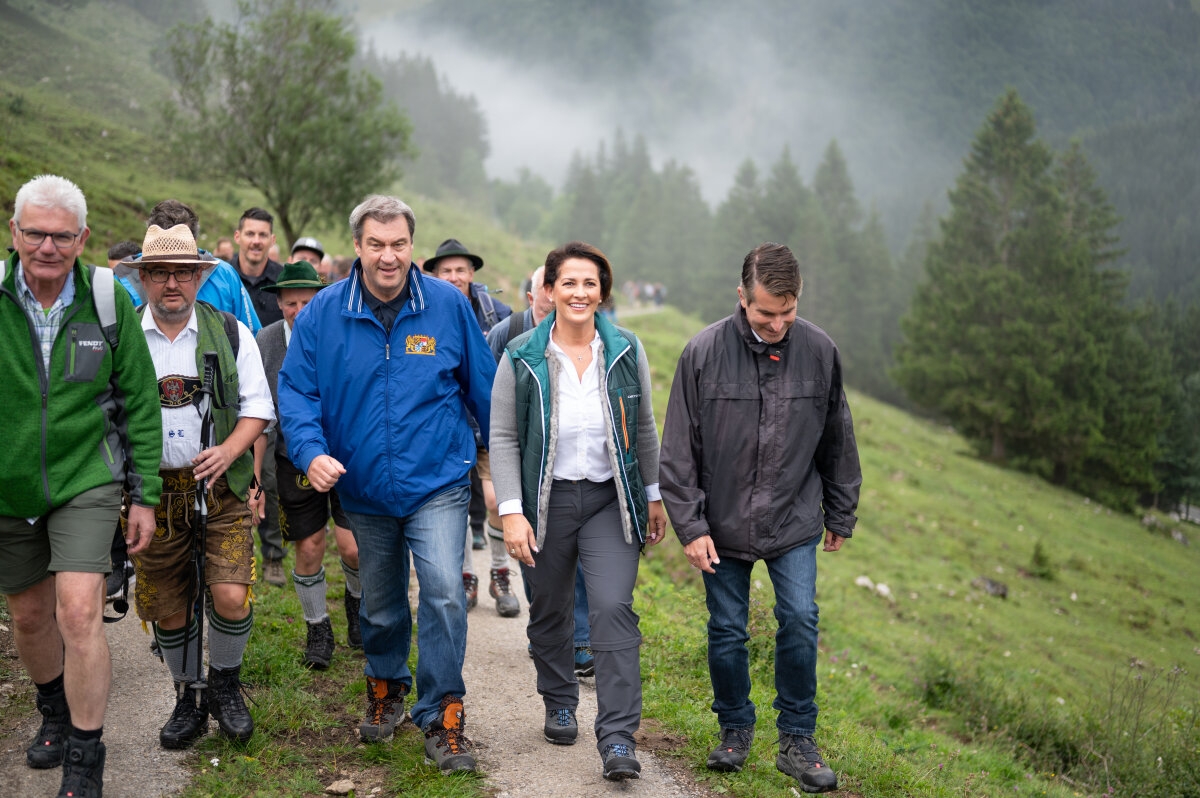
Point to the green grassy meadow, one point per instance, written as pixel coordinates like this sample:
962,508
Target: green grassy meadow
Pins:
937,688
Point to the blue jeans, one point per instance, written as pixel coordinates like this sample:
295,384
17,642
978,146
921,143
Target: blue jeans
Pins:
727,593
583,630
433,535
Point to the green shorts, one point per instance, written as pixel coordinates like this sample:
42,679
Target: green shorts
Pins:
74,537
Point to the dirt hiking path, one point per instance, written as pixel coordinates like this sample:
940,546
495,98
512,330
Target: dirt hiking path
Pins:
504,721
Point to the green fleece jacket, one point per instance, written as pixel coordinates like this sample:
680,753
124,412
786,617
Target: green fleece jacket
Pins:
93,420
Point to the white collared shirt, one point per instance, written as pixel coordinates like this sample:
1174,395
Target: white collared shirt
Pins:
582,450
181,425
582,439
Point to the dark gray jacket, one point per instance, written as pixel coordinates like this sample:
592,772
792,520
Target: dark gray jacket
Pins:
758,446
273,347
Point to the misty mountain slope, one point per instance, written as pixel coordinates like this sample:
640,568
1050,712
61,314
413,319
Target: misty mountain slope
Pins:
900,85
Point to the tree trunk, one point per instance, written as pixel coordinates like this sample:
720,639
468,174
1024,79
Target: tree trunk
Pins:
997,444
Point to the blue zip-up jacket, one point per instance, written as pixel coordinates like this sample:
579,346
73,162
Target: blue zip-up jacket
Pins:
391,408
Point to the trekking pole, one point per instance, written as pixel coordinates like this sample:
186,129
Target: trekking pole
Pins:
204,400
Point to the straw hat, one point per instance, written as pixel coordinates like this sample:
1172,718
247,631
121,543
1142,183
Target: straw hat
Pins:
175,245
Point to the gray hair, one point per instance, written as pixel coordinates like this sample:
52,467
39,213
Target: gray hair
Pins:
52,191
382,209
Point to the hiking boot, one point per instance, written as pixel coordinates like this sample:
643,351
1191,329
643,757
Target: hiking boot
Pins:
561,726
731,753
83,769
46,750
800,758
385,709
273,573
471,588
318,648
226,705
353,629
445,745
190,718
585,663
620,763
507,605
478,543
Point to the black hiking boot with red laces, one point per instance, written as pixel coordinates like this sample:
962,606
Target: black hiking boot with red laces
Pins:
385,709
46,750
445,745
800,758
731,753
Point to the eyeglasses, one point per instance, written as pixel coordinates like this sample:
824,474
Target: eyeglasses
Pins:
182,275
35,238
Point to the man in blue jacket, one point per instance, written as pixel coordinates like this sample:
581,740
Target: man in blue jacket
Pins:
375,391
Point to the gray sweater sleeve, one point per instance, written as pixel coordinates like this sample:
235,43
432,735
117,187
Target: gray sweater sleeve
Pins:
647,430
504,450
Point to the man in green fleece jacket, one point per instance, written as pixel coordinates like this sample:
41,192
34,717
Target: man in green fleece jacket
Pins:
81,424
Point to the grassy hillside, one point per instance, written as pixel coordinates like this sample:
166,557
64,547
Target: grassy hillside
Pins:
928,687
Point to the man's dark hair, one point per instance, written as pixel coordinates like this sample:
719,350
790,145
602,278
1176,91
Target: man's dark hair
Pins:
171,212
124,249
578,249
258,215
774,267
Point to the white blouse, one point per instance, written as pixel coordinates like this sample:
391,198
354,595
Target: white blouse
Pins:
582,451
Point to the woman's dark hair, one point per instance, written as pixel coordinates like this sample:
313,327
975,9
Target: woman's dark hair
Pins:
578,249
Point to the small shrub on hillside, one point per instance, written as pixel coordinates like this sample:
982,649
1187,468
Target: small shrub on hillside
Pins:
1142,738
1040,565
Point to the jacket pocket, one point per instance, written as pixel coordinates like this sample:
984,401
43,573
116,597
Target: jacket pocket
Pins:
625,418
86,349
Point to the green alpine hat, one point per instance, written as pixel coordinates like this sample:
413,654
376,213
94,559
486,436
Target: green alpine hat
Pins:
296,275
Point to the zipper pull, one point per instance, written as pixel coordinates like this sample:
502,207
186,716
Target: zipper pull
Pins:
387,349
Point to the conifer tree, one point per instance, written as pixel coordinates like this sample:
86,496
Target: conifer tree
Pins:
991,330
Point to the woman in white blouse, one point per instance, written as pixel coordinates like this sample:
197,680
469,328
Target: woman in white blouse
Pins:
574,454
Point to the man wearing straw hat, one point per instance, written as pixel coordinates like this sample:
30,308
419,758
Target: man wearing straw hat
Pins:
179,331
80,422
303,510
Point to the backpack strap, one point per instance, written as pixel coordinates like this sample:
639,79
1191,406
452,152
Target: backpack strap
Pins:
488,306
516,326
104,297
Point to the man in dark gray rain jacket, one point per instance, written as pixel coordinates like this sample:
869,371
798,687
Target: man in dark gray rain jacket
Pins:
758,458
